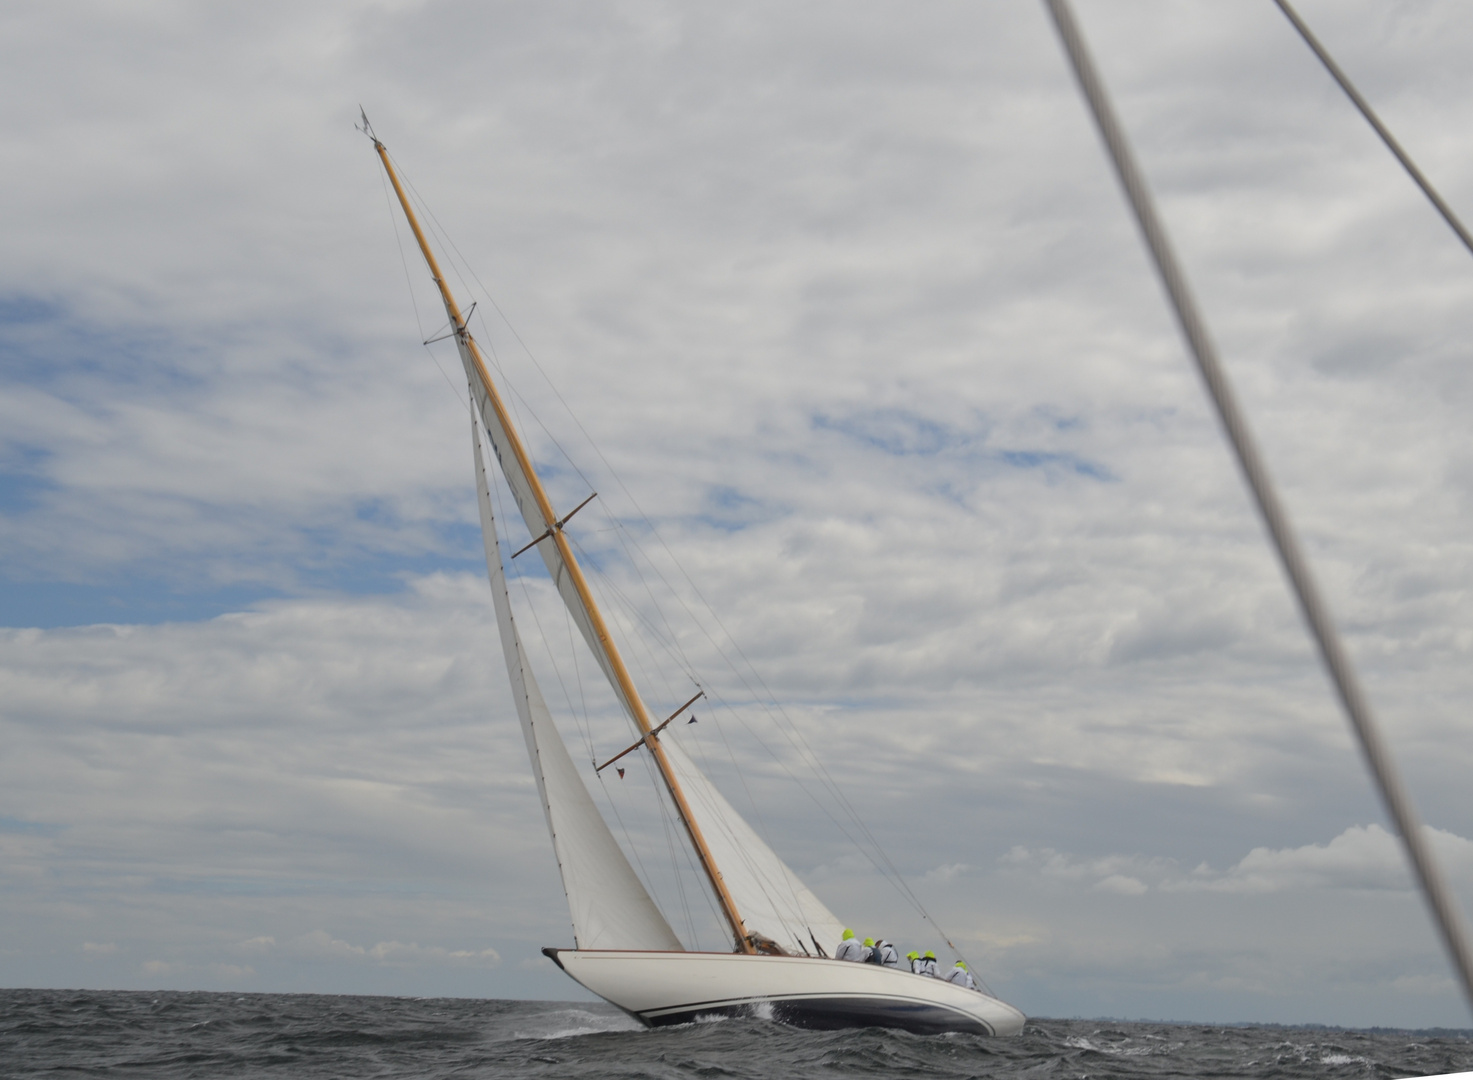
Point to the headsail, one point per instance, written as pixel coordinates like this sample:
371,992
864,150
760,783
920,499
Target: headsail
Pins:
773,901
610,907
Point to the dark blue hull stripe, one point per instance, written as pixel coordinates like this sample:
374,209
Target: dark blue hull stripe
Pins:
831,1012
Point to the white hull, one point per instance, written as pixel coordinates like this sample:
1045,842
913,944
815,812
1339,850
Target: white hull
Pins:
661,988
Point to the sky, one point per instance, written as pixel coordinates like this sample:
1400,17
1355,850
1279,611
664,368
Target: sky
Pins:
839,309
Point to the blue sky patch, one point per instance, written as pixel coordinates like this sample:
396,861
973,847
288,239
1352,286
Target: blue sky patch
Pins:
1035,459
896,431
905,434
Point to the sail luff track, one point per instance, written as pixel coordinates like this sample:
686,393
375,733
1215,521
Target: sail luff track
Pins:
562,565
1377,754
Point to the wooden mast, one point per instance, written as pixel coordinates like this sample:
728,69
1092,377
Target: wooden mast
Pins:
575,572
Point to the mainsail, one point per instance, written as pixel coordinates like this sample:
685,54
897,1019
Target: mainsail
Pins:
609,904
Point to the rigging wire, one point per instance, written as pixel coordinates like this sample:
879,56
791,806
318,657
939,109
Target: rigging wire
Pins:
762,829
884,865
1338,665
640,654
624,605
1375,121
767,701
670,845
409,281
461,262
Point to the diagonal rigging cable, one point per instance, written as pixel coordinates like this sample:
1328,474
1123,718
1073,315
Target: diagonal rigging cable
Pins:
1337,661
1371,118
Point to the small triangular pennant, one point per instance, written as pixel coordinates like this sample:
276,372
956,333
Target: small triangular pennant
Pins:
692,719
621,772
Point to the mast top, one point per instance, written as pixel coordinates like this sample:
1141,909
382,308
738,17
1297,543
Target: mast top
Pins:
366,127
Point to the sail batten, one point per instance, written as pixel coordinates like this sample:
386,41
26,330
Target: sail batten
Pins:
609,905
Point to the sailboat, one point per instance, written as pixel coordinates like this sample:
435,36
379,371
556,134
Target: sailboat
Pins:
783,937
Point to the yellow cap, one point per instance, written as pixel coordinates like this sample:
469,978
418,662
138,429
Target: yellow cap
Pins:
869,941
848,934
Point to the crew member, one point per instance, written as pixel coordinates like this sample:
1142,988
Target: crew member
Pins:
928,964
915,962
850,948
961,976
870,956
886,955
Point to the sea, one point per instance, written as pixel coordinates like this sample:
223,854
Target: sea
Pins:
58,1034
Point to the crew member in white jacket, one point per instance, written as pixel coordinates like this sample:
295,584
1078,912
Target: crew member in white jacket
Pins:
851,948
886,955
961,976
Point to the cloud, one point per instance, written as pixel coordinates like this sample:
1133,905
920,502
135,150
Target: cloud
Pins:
1361,857
1121,884
1119,874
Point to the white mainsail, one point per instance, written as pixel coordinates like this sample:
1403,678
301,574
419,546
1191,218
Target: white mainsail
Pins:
609,905
772,900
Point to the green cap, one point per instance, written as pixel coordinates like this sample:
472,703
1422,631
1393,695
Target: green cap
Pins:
848,934
930,954
869,941
962,964
912,955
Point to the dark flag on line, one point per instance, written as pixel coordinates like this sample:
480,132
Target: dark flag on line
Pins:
621,772
692,719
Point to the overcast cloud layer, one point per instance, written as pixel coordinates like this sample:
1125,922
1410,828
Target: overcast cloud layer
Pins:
848,302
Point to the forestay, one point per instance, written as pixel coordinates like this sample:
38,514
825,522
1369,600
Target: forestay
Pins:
609,905
772,900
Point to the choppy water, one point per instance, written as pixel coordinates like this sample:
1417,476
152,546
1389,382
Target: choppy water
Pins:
67,1033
